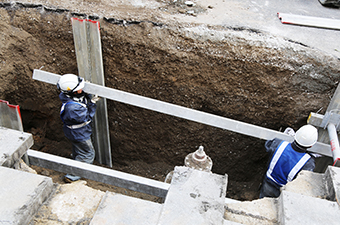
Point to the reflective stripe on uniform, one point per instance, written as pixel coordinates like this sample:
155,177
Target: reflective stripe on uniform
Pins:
298,167
76,126
63,106
273,162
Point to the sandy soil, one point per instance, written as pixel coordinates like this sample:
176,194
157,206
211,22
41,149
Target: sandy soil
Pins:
241,74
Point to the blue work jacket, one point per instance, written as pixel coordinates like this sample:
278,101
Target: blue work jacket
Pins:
77,117
286,162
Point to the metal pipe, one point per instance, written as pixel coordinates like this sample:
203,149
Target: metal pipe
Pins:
334,141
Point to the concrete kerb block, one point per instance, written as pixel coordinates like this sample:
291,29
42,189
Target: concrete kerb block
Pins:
122,209
71,203
22,194
261,211
12,151
332,183
308,183
299,209
227,222
194,197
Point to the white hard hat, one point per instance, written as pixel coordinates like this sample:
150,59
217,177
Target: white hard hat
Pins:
306,136
70,83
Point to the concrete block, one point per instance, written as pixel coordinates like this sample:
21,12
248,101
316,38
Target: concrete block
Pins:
262,211
194,197
73,203
332,183
13,145
227,222
119,209
300,209
308,183
22,194
230,200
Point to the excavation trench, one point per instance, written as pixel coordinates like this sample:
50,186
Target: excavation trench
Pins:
241,74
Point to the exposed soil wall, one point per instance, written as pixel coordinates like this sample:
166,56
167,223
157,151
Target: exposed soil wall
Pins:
241,74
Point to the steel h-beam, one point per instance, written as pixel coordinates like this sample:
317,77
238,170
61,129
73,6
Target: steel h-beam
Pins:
86,34
182,112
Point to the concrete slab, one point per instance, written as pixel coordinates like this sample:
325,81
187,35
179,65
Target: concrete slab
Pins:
227,222
262,211
73,203
300,209
308,183
230,200
117,209
194,197
332,183
22,194
13,145
261,15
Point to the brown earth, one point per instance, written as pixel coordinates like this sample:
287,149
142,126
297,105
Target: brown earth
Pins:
242,76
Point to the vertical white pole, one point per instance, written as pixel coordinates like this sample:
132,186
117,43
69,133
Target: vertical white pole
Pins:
333,138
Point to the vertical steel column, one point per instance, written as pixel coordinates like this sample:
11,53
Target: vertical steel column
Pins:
86,34
333,138
323,162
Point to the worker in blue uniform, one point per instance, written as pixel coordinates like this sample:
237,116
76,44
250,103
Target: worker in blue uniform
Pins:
77,111
288,159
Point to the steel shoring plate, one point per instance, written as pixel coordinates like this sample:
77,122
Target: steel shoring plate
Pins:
87,43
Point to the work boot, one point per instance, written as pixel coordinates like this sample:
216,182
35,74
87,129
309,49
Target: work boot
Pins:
69,178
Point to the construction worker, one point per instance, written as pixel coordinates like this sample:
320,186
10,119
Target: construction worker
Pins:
77,111
288,159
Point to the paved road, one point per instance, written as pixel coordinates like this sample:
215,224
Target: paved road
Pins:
262,15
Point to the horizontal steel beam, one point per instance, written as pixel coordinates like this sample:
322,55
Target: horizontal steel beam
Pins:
97,173
182,112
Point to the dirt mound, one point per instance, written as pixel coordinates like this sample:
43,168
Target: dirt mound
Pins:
236,73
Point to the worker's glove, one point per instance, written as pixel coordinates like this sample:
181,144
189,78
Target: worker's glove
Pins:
289,131
95,99
315,155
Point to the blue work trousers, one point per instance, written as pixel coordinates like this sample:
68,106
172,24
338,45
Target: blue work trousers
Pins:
269,189
83,151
